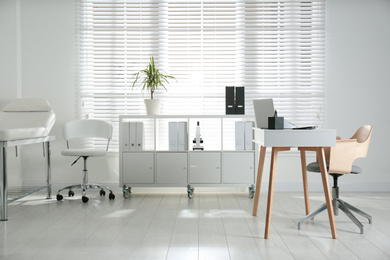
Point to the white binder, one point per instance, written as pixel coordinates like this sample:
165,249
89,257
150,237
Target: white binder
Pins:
182,136
249,135
126,136
173,136
139,135
133,135
178,136
240,135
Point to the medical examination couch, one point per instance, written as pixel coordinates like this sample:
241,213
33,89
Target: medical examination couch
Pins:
24,121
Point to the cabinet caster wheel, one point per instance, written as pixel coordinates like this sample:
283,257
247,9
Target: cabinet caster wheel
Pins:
190,191
71,193
102,193
85,199
251,191
126,193
111,196
59,197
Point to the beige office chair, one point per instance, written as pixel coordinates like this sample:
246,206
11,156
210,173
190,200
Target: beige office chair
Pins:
339,162
82,130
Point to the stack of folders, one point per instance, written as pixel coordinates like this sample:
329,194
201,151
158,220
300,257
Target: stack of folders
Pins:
178,136
133,136
244,135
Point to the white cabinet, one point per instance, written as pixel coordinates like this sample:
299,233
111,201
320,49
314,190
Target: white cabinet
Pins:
158,165
205,167
138,167
171,168
238,167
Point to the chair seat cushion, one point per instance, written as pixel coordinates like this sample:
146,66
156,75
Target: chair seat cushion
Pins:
25,125
84,152
315,167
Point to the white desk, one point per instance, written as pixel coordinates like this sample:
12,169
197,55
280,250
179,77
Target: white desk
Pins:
283,140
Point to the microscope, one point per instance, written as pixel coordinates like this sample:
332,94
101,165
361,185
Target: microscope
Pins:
197,140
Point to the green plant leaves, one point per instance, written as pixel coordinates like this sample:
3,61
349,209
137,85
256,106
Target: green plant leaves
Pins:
151,78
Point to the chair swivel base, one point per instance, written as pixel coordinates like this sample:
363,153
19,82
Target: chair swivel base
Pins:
84,187
345,207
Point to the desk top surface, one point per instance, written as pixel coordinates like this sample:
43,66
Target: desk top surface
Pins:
295,138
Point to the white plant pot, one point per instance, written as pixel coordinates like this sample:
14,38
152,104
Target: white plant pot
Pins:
152,106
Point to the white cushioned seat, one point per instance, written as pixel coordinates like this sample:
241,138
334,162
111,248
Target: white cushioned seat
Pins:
26,118
84,152
23,125
28,105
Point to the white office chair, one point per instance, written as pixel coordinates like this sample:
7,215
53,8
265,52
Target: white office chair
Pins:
86,129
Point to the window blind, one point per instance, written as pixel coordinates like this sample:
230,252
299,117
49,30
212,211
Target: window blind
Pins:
276,49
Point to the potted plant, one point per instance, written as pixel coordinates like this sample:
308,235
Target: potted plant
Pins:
150,79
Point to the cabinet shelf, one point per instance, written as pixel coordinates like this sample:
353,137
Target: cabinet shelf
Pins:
153,164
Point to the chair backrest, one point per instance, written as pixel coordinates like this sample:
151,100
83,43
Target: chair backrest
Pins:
363,137
346,151
90,128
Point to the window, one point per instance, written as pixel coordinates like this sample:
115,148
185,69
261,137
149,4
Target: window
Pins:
276,49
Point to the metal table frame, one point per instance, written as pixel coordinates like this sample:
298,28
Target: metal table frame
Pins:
3,171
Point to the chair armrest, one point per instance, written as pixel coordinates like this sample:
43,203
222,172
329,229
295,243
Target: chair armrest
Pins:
342,156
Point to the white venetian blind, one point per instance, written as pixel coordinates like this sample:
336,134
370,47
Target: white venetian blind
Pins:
276,49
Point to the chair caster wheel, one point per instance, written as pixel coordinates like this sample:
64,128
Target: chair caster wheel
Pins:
111,196
102,193
85,199
71,193
59,197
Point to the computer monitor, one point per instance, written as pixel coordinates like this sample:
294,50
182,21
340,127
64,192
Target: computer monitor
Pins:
263,108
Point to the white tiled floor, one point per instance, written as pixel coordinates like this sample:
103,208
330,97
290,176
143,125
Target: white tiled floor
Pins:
171,226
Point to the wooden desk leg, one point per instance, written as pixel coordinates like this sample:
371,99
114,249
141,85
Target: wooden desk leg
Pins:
271,185
258,180
305,185
274,157
325,183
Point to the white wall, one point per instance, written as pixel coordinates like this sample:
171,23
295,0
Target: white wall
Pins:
358,81
8,51
8,72
38,46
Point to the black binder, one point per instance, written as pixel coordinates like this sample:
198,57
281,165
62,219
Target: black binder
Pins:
230,106
240,100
